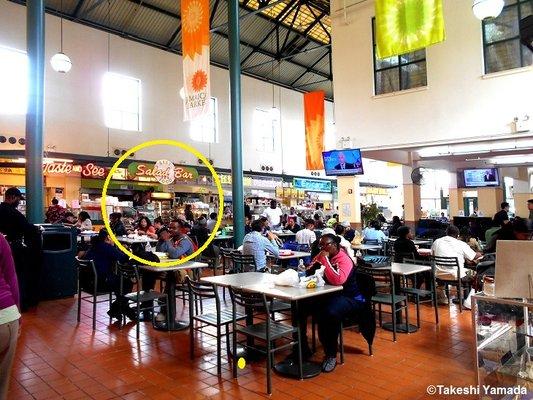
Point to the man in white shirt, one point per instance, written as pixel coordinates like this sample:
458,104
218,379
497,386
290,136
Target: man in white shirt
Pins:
307,236
273,214
339,231
450,246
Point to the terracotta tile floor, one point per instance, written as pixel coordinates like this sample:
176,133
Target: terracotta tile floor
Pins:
58,359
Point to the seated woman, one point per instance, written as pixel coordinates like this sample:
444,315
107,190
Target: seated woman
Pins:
330,311
144,227
104,255
84,221
404,245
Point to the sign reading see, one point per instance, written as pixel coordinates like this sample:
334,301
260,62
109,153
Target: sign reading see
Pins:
93,171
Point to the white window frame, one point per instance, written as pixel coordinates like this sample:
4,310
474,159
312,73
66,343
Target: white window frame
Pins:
13,81
114,114
266,133
200,129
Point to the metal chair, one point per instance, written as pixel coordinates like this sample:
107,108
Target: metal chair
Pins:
243,262
418,293
396,302
138,297
451,263
218,319
267,330
227,264
87,267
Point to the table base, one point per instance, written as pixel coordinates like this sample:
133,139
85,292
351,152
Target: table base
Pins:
401,328
290,368
176,326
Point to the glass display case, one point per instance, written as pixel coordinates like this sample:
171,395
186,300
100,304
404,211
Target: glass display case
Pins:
504,352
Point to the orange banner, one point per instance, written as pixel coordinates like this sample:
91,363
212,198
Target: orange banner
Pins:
195,48
314,129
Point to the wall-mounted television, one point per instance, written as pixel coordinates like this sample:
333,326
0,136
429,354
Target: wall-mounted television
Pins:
480,177
343,162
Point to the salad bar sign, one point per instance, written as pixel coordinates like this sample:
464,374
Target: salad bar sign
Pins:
149,172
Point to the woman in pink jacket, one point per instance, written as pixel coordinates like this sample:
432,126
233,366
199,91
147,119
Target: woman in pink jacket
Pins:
9,314
329,312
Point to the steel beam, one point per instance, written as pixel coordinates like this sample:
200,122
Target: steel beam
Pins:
288,57
237,188
310,69
35,33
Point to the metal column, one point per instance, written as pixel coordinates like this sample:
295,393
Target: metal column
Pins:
236,138
34,116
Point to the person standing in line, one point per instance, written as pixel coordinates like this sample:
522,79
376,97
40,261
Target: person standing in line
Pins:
502,216
273,214
55,212
189,215
25,241
9,314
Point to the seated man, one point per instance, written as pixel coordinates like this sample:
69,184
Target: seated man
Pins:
257,245
451,246
307,236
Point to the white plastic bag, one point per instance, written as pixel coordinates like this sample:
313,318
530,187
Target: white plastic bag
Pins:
288,277
315,280
468,301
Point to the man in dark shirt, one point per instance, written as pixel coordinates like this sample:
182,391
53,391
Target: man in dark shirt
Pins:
501,217
24,239
404,246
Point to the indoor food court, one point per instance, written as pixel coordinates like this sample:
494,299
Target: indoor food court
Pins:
246,199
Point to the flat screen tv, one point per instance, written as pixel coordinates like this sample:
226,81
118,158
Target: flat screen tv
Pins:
481,177
343,162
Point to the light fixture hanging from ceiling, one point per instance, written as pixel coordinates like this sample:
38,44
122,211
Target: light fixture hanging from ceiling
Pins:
61,62
487,8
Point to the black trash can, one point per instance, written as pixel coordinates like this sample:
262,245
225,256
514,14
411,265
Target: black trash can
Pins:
59,276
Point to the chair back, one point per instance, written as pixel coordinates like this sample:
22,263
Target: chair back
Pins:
400,257
127,271
366,284
371,241
243,262
226,256
87,265
381,274
87,276
202,290
447,263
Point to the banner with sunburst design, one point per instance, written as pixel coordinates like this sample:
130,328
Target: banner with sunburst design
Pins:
195,49
314,129
403,26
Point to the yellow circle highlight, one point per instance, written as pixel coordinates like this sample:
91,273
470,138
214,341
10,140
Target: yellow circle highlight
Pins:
197,154
241,363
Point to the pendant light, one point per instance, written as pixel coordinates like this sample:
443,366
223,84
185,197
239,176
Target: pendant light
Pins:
487,8
61,62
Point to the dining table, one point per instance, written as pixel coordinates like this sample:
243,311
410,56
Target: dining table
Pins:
260,282
170,279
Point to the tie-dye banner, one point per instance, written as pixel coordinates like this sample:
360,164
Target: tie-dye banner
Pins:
195,49
403,26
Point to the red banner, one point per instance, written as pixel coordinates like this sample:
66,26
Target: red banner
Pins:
314,129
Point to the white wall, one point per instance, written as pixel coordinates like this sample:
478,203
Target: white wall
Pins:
74,120
457,103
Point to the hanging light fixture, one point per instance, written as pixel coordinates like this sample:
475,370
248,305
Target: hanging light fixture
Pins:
61,62
487,8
